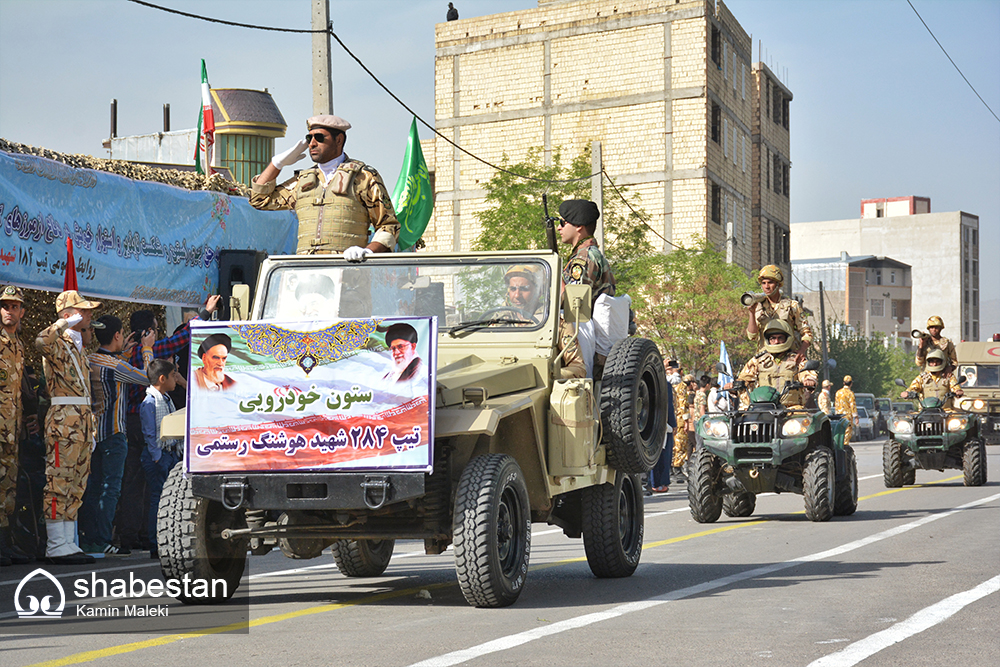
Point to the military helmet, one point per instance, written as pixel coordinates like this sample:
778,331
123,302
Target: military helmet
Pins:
773,272
935,354
935,321
778,326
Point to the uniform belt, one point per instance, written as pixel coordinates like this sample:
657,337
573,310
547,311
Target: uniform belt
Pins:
70,400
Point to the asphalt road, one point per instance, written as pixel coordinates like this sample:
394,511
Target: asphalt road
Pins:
910,579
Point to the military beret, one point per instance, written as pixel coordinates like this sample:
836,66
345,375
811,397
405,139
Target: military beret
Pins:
12,293
212,341
329,122
579,212
688,378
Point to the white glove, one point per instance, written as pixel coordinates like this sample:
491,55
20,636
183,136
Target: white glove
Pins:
291,156
73,320
357,254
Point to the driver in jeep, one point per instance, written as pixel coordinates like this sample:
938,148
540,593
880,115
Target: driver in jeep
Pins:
935,381
775,367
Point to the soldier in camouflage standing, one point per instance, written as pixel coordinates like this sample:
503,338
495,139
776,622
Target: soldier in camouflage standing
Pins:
823,401
11,370
936,341
845,404
69,425
774,307
335,200
682,408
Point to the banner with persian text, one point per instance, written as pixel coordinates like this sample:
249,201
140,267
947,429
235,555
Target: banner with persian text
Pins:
133,240
288,396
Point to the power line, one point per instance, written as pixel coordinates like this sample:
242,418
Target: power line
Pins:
949,58
634,212
211,20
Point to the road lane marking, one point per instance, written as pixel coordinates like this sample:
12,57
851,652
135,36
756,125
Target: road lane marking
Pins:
922,620
89,656
518,639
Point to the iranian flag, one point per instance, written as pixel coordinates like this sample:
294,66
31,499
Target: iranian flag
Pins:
206,128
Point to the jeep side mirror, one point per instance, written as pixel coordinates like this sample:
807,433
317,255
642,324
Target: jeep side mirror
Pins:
577,303
239,302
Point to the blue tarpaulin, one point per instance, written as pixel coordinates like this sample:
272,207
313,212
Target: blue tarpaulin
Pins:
133,240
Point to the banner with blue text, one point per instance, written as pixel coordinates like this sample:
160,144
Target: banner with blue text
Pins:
133,240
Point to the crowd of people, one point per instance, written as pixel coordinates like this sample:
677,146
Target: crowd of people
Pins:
92,454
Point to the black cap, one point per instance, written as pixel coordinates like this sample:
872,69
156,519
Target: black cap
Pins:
579,212
400,331
212,341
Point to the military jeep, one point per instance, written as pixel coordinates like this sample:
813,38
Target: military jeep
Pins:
514,443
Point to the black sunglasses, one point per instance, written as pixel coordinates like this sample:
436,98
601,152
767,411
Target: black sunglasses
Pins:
320,138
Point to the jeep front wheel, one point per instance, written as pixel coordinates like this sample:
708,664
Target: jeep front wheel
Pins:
362,558
633,405
974,463
892,464
189,538
846,500
818,484
705,504
613,522
492,531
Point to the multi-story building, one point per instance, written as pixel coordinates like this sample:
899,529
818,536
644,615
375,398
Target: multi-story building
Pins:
941,248
669,90
869,295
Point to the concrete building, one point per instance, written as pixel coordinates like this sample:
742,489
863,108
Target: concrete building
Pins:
669,90
941,248
869,295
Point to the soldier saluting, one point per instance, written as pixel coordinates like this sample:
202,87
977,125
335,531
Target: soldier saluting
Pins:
335,201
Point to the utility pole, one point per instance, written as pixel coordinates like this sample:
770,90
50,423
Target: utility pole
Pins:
822,323
597,187
322,81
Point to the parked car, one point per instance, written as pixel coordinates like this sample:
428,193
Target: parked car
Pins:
866,425
883,408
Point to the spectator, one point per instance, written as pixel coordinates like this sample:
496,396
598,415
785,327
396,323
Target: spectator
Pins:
159,455
452,12
659,476
718,400
109,375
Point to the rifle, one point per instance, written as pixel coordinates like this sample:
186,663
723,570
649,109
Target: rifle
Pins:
550,226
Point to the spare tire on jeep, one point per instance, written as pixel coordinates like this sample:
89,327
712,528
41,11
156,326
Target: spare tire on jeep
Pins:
634,405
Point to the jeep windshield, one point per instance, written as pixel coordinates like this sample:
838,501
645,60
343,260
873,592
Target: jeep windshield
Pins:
980,375
465,293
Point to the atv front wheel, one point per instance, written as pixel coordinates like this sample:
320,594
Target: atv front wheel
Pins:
362,558
492,531
706,506
846,501
818,482
892,464
974,463
740,504
613,526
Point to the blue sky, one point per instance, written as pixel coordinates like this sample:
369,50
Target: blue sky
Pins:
878,109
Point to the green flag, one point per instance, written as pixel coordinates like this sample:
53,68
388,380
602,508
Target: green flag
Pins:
412,197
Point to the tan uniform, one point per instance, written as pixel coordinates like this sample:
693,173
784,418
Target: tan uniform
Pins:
787,310
334,216
943,344
700,403
935,385
69,423
681,409
845,404
768,370
11,371
824,401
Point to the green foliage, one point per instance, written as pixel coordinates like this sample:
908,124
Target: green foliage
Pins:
691,303
873,366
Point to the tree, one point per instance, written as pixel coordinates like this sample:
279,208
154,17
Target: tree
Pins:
872,364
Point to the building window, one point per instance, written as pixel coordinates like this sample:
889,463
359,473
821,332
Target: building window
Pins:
716,122
725,137
975,269
777,175
975,331
736,64
767,169
776,106
975,298
879,213
786,256
892,277
743,81
878,308
966,263
725,60
716,47
878,276
784,112
716,203
895,308
767,96
743,147
784,179
901,309
975,237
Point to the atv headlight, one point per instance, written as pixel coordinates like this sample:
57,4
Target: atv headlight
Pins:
957,423
902,426
717,428
794,427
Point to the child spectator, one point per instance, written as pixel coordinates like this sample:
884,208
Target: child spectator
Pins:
160,454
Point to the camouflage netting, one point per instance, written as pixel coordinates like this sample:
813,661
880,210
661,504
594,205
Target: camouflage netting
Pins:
182,179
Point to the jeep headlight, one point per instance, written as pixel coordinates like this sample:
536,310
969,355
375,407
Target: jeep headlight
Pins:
957,423
902,426
794,427
978,404
717,428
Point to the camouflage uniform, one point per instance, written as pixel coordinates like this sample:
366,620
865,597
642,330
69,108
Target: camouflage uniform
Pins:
69,424
845,404
769,370
935,385
824,401
11,370
787,310
588,266
700,402
681,452
943,344
335,216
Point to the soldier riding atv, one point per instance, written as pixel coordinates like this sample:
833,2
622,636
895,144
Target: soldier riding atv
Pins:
772,443
937,437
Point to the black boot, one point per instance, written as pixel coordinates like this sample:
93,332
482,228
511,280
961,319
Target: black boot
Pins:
9,553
